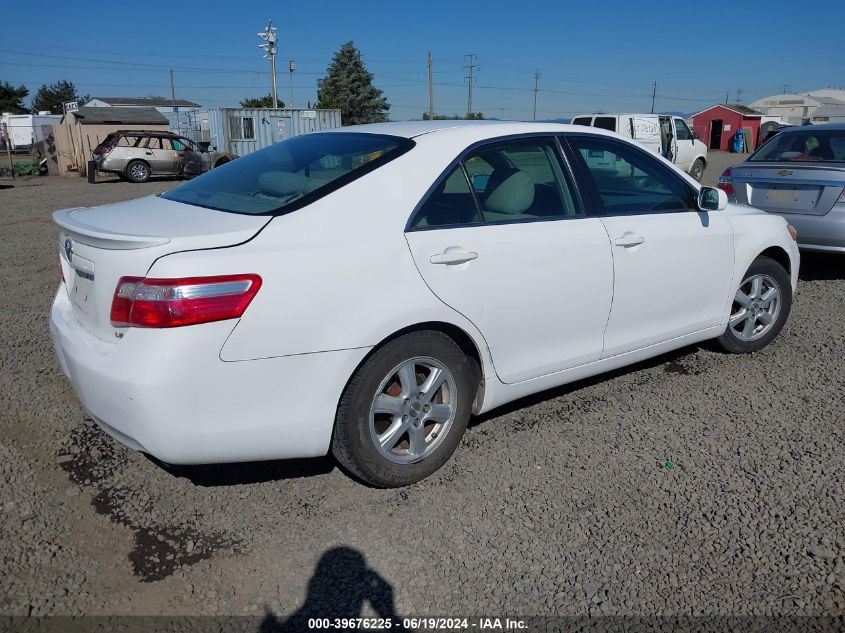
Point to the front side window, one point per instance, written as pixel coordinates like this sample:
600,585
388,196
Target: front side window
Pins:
683,131
291,173
803,145
630,181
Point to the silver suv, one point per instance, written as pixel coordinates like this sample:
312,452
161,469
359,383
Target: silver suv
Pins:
136,155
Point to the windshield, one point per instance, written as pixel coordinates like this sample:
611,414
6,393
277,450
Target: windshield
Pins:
290,174
803,145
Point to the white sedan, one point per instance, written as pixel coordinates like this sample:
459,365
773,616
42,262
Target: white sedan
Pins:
366,290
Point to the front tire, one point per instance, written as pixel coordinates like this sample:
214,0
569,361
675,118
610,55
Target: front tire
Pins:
760,308
697,170
405,410
138,171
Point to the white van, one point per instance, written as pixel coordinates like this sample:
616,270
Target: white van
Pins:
666,135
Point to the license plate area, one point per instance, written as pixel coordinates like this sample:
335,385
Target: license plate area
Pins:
783,196
82,289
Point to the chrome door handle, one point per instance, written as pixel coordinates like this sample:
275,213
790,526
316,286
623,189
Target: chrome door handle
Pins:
148,153
453,257
629,239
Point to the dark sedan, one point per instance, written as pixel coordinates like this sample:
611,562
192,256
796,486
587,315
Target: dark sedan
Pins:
800,174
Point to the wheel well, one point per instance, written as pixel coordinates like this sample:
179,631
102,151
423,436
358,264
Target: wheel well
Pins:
461,338
222,161
136,160
780,256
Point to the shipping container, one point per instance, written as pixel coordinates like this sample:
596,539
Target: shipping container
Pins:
245,130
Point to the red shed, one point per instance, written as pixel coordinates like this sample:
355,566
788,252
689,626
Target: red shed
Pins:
717,125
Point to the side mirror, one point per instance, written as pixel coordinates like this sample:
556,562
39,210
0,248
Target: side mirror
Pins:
712,199
695,136
479,182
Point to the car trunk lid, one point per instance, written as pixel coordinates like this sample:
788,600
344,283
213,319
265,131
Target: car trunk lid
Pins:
99,245
781,188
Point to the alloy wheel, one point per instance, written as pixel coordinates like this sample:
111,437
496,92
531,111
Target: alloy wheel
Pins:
756,307
413,410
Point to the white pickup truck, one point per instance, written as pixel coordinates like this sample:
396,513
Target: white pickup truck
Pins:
666,135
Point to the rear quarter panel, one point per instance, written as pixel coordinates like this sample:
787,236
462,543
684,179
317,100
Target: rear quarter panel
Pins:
336,275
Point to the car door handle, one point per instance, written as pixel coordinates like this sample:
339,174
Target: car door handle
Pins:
629,239
453,257
148,153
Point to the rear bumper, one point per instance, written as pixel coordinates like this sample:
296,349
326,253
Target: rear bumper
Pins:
167,393
823,233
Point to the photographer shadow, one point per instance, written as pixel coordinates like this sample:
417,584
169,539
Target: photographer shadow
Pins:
341,585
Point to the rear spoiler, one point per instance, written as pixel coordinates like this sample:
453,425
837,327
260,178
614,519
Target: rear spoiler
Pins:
101,238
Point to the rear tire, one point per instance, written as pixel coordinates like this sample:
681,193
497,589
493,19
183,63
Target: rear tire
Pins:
138,171
405,410
697,170
760,308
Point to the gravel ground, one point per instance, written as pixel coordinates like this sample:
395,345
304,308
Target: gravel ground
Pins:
562,503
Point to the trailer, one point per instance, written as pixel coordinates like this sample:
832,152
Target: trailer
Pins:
24,130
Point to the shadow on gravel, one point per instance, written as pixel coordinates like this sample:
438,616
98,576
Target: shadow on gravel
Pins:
821,267
215,475
341,585
673,361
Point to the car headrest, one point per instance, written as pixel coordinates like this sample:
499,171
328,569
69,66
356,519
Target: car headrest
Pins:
512,192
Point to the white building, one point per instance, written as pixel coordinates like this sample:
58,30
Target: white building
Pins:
816,106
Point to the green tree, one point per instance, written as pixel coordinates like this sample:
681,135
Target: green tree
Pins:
53,97
348,85
475,116
261,102
11,98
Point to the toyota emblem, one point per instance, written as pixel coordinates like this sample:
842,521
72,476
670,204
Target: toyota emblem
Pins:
69,248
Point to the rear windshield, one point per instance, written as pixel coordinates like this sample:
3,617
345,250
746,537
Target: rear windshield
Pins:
290,174
803,145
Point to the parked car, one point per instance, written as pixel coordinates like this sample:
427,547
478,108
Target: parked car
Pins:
136,155
365,290
800,175
666,135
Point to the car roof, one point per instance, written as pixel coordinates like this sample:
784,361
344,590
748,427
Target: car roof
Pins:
818,127
480,129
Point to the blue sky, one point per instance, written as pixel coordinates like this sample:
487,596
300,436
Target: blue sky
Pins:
591,55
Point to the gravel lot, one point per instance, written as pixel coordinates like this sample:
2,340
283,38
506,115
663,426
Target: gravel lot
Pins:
562,503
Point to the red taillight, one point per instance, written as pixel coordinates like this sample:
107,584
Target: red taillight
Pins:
144,302
726,182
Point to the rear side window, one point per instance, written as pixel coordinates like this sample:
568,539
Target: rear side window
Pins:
804,145
450,203
290,174
511,181
605,123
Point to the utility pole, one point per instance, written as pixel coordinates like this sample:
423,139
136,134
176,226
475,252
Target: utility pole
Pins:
430,89
172,92
653,95
268,36
291,69
738,94
470,67
727,97
536,90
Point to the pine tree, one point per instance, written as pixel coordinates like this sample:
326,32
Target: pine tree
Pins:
53,97
11,98
348,85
